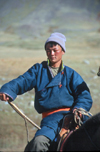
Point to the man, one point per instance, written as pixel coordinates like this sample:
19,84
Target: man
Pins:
59,90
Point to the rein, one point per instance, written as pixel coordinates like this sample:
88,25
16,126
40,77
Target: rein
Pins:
83,112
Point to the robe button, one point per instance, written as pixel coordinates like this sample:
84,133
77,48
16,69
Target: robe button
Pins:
62,72
60,85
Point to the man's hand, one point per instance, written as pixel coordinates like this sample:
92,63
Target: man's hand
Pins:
78,113
4,97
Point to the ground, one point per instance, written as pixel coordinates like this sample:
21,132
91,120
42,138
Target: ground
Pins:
16,56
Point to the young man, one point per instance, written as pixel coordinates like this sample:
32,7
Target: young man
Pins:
58,91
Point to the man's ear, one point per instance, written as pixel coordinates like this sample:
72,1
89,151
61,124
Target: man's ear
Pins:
63,52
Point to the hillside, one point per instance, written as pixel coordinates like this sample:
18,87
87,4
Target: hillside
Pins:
35,18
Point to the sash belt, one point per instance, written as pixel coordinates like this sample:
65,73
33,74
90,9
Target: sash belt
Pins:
47,113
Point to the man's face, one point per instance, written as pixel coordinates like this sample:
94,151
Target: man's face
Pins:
54,53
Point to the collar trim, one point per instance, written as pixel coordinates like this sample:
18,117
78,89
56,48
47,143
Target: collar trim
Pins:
62,65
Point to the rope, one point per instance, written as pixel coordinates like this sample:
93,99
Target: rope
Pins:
24,117
82,111
26,130
22,114
60,145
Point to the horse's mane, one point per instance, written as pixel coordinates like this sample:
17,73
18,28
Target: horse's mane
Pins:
93,120
87,137
91,124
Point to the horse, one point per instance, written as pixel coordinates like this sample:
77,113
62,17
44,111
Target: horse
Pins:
86,138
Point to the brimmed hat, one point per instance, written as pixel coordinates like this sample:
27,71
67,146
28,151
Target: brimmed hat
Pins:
58,38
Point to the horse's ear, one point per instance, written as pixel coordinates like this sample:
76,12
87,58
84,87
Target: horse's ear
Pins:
98,71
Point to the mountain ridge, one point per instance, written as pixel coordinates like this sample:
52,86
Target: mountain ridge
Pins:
35,17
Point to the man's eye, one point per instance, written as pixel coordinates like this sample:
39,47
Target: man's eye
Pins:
55,50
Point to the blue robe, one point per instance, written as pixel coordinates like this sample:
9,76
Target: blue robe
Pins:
66,89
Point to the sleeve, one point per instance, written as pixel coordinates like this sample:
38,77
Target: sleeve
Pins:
81,92
22,84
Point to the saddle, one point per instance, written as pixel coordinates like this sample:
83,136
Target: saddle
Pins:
68,127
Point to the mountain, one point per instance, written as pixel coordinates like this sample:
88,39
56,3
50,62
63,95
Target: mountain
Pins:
33,18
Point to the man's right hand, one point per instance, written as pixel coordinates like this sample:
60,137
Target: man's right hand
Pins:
4,97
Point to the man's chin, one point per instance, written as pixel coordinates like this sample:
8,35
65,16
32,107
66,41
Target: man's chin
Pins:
52,61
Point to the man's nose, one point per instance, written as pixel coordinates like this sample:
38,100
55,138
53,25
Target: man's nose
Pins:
52,52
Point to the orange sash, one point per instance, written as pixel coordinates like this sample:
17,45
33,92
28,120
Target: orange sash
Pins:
47,113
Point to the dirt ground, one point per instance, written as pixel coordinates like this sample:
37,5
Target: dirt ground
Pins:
83,55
